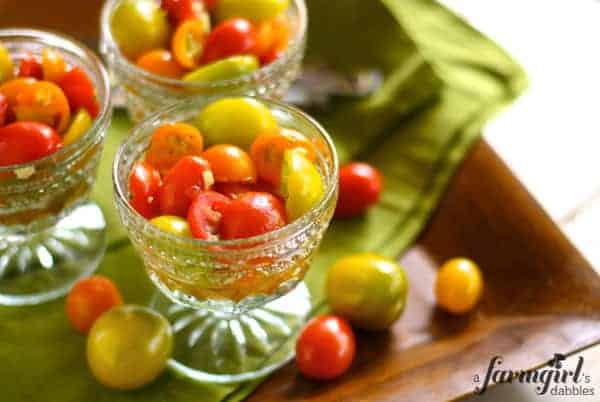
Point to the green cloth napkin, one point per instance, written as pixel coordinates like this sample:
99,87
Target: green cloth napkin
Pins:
443,80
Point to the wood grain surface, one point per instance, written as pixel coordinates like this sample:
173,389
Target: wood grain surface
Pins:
541,296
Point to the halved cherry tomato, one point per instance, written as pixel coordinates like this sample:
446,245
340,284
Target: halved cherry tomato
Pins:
44,102
230,164
80,124
144,186
360,188
204,215
325,348
171,142
252,214
182,10
26,141
272,36
89,299
3,109
188,43
268,148
29,66
80,91
160,62
185,180
229,38
54,66
11,89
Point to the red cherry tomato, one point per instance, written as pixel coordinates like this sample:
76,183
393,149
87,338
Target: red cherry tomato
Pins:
144,187
270,56
29,66
204,215
3,109
230,164
185,180
252,214
360,188
182,10
210,4
26,141
89,299
231,37
325,348
80,91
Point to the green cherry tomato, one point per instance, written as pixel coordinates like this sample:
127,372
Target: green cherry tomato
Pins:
235,121
367,289
173,224
139,26
80,124
129,346
226,69
301,184
7,71
254,10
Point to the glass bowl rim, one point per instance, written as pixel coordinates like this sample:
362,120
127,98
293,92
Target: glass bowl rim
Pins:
65,42
289,230
294,46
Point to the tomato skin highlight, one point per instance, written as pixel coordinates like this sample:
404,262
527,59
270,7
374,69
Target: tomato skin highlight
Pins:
325,348
230,164
144,186
23,142
89,299
231,37
360,188
252,214
205,212
185,180
29,66
80,91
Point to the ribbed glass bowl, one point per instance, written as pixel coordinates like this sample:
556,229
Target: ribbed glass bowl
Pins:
143,93
228,288
49,234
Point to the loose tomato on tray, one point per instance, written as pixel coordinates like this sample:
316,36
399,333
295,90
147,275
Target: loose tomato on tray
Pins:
89,299
360,188
459,286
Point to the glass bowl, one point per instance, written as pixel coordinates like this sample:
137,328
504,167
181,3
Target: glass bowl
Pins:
50,235
234,304
143,93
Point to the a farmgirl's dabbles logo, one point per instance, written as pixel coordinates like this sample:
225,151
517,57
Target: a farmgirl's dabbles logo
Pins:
553,379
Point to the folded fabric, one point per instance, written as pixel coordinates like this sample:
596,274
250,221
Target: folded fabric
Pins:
443,80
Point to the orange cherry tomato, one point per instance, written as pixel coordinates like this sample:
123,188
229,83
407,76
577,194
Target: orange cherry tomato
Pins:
54,65
459,286
29,66
12,88
230,164
44,102
89,299
161,62
80,91
188,43
272,36
268,148
171,142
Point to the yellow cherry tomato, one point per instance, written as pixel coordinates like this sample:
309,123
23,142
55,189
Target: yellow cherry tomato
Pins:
459,285
80,124
129,346
301,183
54,66
173,224
367,289
7,68
44,102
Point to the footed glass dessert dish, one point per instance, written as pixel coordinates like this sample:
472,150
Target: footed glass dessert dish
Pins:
234,304
50,234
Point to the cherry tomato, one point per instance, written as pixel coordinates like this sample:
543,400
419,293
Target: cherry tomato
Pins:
230,164
173,224
160,62
80,91
226,69
54,66
139,26
229,38
368,290
187,44
252,214
144,186
301,184
182,10
236,121
459,286
268,148
26,141
171,142
204,215
272,36
89,299
44,102
6,65
271,56
210,4
185,180
3,109
80,124
360,188
325,348
234,190
254,10
129,346
29,66
11,89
